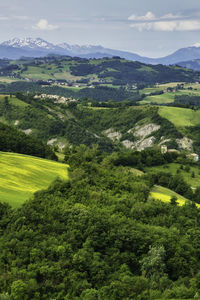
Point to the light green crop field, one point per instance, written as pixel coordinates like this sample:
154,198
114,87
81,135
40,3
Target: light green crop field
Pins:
180,117
13,100
22,175
159,99
8,79
169,84
163,194
172,169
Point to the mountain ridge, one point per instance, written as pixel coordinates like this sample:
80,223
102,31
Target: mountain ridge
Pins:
37,47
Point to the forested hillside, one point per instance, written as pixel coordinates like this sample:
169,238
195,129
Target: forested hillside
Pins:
74,123
99,236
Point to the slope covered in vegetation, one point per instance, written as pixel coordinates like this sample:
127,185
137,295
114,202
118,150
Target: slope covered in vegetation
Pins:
99,236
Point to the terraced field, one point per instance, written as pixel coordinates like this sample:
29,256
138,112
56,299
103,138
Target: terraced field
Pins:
22,175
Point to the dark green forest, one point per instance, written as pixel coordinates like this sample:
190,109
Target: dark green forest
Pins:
12,140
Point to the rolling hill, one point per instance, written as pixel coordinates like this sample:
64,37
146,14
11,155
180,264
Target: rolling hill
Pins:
133,127
22,175
99,79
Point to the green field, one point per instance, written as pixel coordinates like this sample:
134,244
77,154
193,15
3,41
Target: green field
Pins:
159,99
22,175
180,117
13,100
172,169
168,97
160,193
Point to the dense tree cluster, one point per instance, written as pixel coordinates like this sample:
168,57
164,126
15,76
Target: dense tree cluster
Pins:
97,93
122,71
12,140
146,158
190,100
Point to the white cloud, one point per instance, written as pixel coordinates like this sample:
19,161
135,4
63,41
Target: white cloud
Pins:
149,16
167,22
171,16
183,25
44,25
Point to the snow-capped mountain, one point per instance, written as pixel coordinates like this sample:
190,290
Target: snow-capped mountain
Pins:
29,43
85,49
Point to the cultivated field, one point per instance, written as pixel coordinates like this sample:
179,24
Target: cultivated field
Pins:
22,175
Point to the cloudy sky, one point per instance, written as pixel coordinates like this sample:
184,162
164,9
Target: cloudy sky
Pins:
148,27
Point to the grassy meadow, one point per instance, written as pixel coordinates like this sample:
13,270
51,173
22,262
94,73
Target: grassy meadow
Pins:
159,99
168,97
22,175
163,194
172,169
13,100
180,117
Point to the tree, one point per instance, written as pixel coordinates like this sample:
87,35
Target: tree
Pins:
173,200
152,265
19,290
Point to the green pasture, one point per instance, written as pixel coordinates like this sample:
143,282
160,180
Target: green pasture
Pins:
169,96
163,194
147,69
150,90
180,117
169,84
172,169
49,72
5,79
159,99
22,175
13,100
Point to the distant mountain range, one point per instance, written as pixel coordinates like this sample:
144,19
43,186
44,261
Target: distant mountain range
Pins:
30,47
191,64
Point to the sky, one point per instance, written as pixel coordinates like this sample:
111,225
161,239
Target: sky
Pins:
152,28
